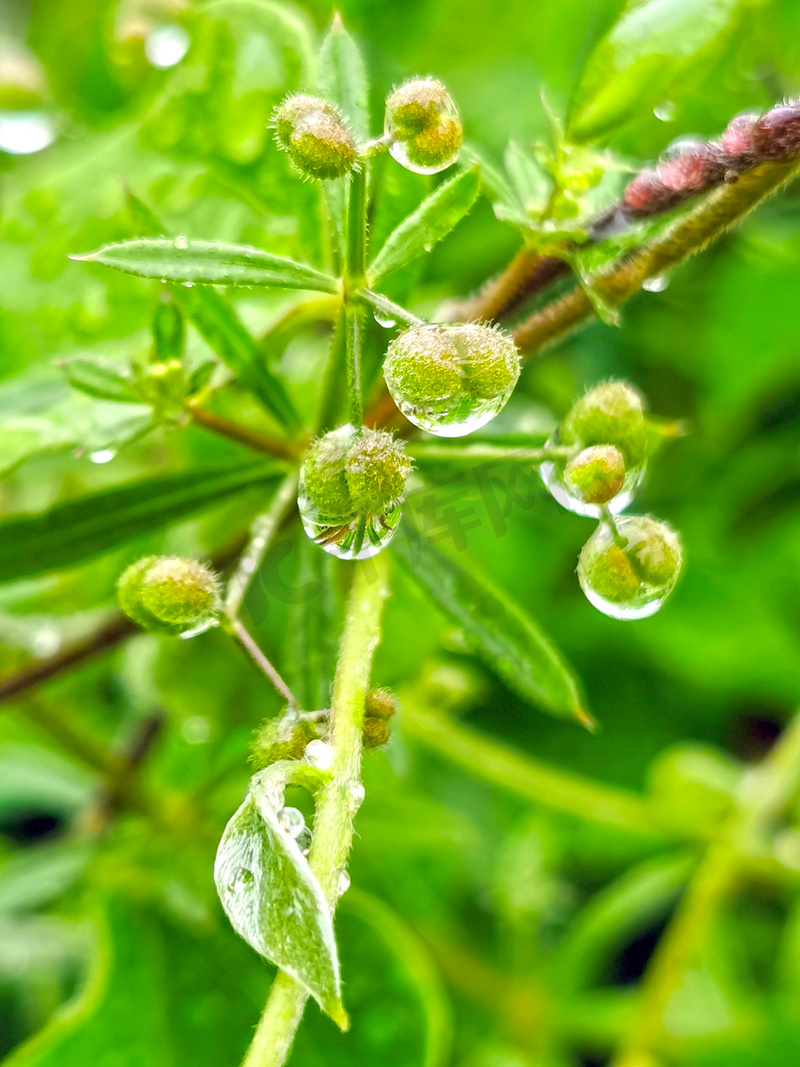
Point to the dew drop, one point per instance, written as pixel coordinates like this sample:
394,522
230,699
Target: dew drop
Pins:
291,820
208,624
357,794
665,111
398,150
103,455
384,320
181,243
657,284
188,285
552,474
24,132
243,881
343,883
319,754
633,578
166,46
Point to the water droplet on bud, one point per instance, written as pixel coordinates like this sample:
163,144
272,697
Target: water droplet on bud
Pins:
319,754
384,320
291,820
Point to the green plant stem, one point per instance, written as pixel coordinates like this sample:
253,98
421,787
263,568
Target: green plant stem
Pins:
468,453
262,535
355,272
246,642
765,792
243,435
333,822
354,330
722,209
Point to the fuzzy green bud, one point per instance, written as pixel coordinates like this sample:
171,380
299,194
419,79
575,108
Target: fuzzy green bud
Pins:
375,732
380,704
169,595
415,106
284,738
322,147
596,474
630,575
348,473
294,109
609,414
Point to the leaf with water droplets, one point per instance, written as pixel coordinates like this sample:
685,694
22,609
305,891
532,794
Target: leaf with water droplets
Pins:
270,894
208,263
435,217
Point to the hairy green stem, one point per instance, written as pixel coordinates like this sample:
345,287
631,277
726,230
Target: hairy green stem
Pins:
721,210
388,308
336,803
355,272
765,793
469,453
246,642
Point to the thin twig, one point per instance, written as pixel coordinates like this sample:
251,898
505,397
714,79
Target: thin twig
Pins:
243,435
246,642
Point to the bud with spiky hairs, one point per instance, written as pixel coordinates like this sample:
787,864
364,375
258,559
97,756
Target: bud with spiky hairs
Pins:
169,595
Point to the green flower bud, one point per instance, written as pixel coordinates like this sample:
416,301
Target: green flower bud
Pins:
322,147
169,595
693,784
451,379
324,478
294,109
375,732
596,474
631,577
609,414
380,704
376,469
283,738
415,106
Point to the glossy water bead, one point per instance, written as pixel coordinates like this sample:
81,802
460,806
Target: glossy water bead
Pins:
631,576
352,485
604,427
423,126
451,380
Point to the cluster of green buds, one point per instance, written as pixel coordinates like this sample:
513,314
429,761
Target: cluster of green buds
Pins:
599,452
169,595
422,126
380,707
352,486
316,136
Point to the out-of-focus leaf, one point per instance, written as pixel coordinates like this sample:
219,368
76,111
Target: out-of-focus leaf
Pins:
168,331
98,522
288,24
101,380
271,896
311,631
643,58
155,995
218,324
434,219
342,77
36,876
208,263
499,632
33,778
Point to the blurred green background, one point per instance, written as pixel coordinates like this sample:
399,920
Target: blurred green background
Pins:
482,928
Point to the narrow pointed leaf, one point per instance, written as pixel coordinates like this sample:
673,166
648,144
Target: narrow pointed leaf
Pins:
497,629
647,54
272,898
99,522
209,263
214,318
422,229
101,380
342,77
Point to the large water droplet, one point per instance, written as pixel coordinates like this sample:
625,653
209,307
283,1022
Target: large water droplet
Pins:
451,379
24,132
399,151
552,474
166,46
353,536
630,579
384,320
319,754
291,820
665,111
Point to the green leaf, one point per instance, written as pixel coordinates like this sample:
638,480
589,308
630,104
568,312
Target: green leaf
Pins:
342,77
311,631
154,996
270,895
217,323
208,263
277,20
497,629
98,522
168,331
650,50
101,380
436,216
